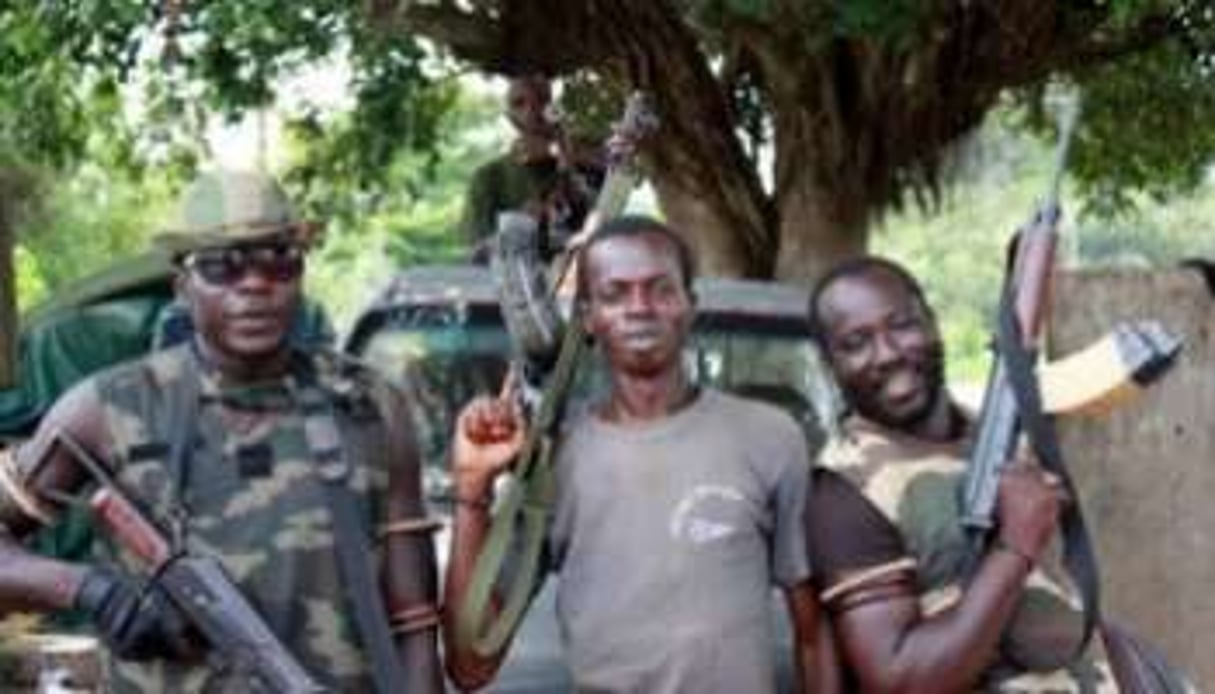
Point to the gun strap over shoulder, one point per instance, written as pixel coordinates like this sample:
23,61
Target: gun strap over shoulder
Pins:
1137,666
356,558
1079,558
183,427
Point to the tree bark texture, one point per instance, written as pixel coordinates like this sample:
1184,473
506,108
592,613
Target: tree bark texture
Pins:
858,123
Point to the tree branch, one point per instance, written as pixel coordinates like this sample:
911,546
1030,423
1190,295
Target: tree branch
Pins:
1147,33
473,35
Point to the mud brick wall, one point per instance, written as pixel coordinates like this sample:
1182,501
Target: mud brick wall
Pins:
1147,471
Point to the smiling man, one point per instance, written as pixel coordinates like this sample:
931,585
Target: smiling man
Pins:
890,554
677,510
217,440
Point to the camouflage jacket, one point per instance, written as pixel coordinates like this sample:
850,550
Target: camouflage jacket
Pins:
252,498
916,485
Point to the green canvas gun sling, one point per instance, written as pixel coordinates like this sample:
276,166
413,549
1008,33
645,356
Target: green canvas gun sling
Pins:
520,518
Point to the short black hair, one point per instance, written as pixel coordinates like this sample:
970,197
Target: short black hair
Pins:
853,268
632,225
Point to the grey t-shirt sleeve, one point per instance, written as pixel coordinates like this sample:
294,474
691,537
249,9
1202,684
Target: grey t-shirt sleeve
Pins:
790,561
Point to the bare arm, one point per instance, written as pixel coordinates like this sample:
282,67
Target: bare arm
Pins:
28,582
489,434
410,576
814,651
891,646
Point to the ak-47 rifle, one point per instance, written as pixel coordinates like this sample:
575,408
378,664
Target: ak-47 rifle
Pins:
199,587
549,352
1020,396
1012,401
1023,305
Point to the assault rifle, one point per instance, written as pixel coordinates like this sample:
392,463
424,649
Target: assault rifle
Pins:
199,587
1020,396
1023,303
549,353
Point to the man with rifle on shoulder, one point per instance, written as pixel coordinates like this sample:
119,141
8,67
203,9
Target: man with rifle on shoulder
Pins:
261,503
676,508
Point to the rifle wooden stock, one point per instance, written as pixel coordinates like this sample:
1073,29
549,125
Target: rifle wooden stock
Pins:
125,524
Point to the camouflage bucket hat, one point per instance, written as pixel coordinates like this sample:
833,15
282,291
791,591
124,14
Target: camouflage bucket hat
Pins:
228,208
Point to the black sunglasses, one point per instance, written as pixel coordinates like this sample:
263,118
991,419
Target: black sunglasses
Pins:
226,266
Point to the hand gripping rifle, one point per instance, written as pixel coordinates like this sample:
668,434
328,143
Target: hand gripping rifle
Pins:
549,353
1019,396
199,587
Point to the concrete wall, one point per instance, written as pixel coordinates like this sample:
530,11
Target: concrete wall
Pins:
1147,472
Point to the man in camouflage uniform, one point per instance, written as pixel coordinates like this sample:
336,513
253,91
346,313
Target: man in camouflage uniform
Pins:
250,486
890,558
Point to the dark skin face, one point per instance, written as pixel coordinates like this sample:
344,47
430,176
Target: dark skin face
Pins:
885,350
242,327
526,100
637,306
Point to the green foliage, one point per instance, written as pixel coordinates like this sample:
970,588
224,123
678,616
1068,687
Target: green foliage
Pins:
109,101
31,288
885,20
958,253
89,220
407,218
1146,129
1160,150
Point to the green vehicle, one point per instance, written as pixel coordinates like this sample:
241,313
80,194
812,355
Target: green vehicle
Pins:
116,314
104,319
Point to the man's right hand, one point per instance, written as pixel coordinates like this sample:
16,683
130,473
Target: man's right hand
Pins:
134,622
489,435
1028,506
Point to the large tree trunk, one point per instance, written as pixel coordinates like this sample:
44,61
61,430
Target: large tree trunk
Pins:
813,235
8,301
18,198
716,244
859,120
